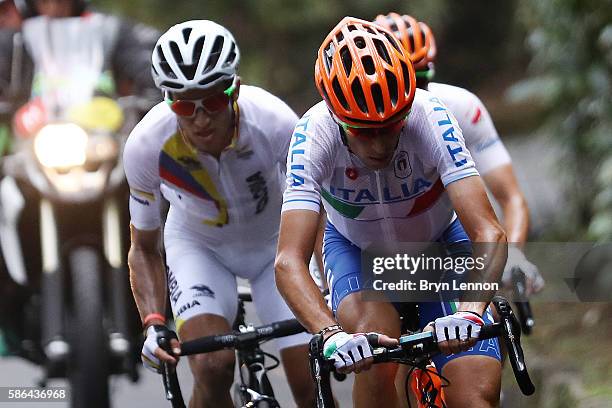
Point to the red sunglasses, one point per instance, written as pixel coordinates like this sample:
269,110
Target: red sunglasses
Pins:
391,129
188,108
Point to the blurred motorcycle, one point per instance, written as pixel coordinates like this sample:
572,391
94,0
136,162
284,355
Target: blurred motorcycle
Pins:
63,210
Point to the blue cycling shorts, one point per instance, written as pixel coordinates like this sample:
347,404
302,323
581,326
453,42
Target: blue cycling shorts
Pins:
343,273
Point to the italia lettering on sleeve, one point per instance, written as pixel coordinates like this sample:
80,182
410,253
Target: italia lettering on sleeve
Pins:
295,154
453,153
449,133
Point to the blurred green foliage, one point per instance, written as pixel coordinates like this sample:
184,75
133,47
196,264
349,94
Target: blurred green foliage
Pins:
279,39
571,44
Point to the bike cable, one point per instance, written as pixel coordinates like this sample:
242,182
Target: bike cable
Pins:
273,358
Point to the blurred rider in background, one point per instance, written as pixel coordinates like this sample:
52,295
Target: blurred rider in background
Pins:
129,59
490,155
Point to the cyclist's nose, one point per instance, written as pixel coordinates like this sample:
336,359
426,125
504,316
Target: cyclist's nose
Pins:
378,146
201,118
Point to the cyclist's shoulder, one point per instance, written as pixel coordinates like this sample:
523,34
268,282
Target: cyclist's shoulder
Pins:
317,119
255,100
149,134
261,109
454,96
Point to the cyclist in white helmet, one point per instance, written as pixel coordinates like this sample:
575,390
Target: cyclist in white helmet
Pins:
219,160
490,155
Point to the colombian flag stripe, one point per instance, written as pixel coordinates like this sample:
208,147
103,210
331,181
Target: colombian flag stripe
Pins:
172,172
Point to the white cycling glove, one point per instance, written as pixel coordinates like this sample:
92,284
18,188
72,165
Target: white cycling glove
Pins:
516,259
458,326
346,349
149,359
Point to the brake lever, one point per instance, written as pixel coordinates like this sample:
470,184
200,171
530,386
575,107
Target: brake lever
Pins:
512,338
522,303
169,377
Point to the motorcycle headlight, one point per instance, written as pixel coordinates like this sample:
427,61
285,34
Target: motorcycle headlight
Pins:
61,145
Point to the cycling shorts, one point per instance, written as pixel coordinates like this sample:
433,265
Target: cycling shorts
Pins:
343,273
202,276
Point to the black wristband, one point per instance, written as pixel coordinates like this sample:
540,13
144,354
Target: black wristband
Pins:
330,328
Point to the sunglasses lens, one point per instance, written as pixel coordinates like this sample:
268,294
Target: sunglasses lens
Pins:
362,132
393,128
216,103
183,107
187,108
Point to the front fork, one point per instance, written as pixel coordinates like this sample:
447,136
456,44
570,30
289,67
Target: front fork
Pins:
53,306
117,290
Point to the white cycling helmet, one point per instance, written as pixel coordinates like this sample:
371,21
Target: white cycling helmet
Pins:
195,54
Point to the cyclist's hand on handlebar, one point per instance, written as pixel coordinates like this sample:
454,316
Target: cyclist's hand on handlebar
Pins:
457,332
517,260
152,353
352,352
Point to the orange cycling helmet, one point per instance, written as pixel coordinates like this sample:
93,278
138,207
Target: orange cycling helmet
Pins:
415,36
364,75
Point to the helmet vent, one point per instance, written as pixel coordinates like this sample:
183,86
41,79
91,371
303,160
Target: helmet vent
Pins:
232,55
351,27
392,86
411,39
370,30
378,98
347,61
392,41
359,95
339,36
392,24
322,87
172,85
215,53
187,69
406,76
339,94
382,50
360,42
368,65
328,54
210,79
163,64
176,53
186,34
423,28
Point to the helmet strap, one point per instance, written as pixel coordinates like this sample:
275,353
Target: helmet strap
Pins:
235,123
343,135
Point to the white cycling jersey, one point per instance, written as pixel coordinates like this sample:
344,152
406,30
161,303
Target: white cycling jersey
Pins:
405,202
480,135
224,214
241,193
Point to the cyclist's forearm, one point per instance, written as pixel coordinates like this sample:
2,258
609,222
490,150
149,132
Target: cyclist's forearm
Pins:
148,280
516,218
490,248
505,188
302,295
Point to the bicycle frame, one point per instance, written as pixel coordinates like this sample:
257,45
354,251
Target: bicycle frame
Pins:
246,341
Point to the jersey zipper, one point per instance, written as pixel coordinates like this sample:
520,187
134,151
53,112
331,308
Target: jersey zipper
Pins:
387,231
228,187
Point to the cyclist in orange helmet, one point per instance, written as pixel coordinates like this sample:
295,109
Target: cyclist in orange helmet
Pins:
490,155
388,164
